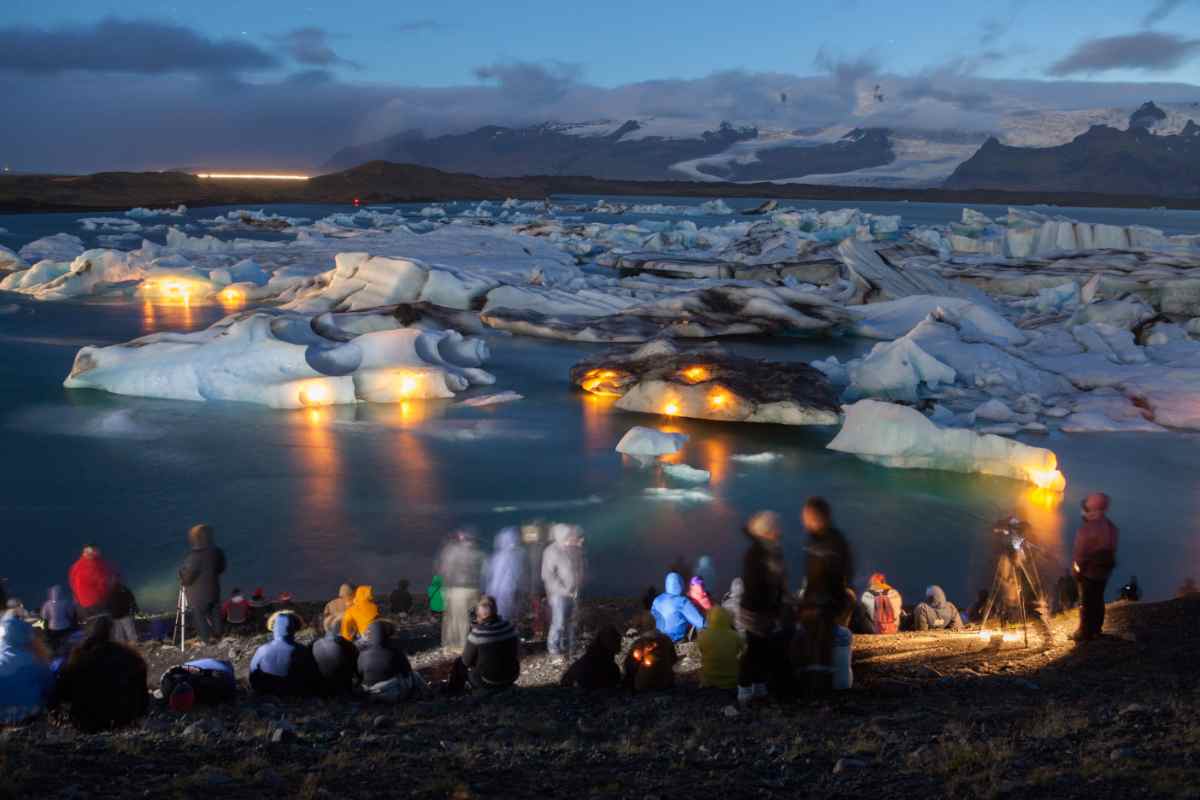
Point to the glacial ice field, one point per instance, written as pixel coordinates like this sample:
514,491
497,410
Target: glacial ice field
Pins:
336,388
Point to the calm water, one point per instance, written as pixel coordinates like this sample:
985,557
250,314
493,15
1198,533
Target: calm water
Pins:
303,501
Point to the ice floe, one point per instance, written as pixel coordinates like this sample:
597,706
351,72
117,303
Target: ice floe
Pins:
645,442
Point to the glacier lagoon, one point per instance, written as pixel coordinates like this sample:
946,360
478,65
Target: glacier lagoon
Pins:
304,499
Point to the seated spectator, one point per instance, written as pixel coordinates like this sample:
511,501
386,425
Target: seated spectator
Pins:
650,665
335,609
383,667
25,677
60,616
103,682
706,571
491,658
337,663
260,607
597,667
733,601
698,594
91,579
283,667
975,612
122,606
674,614
287,604
720,649
937,613
401,600
361,612
882,605
1131,591
236,610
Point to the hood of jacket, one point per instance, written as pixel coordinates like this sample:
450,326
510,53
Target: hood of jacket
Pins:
200,538
507,539
281,628
935,596
55,594
435,585
345,592
563,535
377,634
364,595
674,584
608,639
736,589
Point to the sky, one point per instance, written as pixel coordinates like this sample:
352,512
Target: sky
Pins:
101,84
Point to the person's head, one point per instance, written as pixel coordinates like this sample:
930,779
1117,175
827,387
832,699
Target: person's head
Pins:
91,551
673,583
765,527
878,581
235,592
55,594
363,595
608,639
696,584
1095,506
507,539
200,536
259,594
404,584
817,515
562,534
346,591
283,625
486,609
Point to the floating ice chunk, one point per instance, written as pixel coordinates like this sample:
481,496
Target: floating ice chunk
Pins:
10,262
756,458
640,441
1055,299
895,318
59,247
899,436
1193,327
147,213
39,274
89,271
1105,411
1127,314
678,495
897,370
484,400
687,473
994,411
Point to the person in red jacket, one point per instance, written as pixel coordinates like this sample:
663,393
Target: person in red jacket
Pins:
92,579
1095,556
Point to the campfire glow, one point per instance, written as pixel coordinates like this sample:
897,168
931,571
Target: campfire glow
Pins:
231,297
718,399
1049,479
696,374
1007,636
671,409
644,655
601,382
315,393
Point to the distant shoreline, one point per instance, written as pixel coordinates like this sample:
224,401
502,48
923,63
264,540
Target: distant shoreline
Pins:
383,182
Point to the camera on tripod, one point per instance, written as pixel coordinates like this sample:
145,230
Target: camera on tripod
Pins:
1016,586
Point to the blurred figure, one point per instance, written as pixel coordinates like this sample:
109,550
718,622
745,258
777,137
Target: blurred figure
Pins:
1131,591
936,613
505,574
562,576
764,578
1187,588
460,566
698,593
720,649
882,605
435,596
335,609
200,577
282,666
337,663
650,665
975,612
1067,591
675,615
260,607
597,667
91,579
103,682
401,600
25,677
384,671
830,571
1095,557
359,615
59,616
236,610
705,571
122,606
732,601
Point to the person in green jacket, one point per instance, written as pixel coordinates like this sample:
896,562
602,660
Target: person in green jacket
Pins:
720,648
437,603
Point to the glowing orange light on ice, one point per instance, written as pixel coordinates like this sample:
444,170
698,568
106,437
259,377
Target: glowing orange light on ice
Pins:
600,382
1049,479
671,409
408,385
696,374
315,394
231,296
719,400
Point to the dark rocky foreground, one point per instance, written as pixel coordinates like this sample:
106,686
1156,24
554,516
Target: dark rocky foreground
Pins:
932,715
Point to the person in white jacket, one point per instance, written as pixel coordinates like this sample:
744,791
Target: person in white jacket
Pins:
562,576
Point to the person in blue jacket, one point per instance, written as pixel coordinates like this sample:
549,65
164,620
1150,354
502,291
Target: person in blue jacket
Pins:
283,666
673,613
25,677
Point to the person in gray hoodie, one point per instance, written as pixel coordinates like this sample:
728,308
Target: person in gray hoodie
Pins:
60,616
505,574
461,567
200,577
562,576
936,613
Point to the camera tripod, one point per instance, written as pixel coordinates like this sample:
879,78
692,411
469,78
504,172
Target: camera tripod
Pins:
1015,563
181,613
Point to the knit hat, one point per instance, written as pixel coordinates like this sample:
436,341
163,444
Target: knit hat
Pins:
764,525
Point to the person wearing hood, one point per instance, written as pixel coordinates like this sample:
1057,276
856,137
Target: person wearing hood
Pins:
650,664
562,577
597,667
200,577
674,614
359,615
437,600
91,579
764,579
505,573
698,593
705,571
492,656
460,566
829,570
337,663
103,682
882,605
122,606
732,601
335,609
25,677
720,650
58,612
384,670
936,613
401,599
282,666
1095,557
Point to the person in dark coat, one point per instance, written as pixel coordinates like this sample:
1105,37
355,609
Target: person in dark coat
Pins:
103,682
122,606
401,600
830,570
975,612
337,663
200,577
1095,556
650,665
60,617
763,580
282,666
384,670
492,656
597,667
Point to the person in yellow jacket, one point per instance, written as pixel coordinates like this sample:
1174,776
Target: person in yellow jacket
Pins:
361,613
720,648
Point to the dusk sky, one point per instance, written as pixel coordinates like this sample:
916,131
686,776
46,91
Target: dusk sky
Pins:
275,83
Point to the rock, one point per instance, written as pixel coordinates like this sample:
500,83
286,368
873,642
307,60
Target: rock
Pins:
1122,753
216,777
847,764
381,721
730,711
282,732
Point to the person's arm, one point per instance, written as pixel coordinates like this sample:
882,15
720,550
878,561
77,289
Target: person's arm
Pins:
693,615
189,571
470,654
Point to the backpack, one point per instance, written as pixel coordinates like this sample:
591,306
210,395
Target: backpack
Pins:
885,615
212,681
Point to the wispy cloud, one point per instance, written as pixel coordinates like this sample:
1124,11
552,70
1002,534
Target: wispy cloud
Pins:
1160,11
1146,51
310,47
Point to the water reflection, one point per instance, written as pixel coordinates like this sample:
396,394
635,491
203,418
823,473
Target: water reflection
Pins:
169,314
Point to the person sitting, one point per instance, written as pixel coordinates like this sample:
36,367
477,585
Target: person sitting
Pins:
260,607
698,594
287,604
337,663
401,600
720,650
282,667
975,612
882,604
491,658
674,614
650,665
236,610
383,667
103,682
60,617
597,667
335,609
937,613
25,677
361,612
91,579
1131,591
732,601
122,606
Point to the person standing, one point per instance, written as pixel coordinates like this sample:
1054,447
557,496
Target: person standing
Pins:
505,574
200,577
829,569
764,577
562,577
461,567
1095,557
122,605
92,579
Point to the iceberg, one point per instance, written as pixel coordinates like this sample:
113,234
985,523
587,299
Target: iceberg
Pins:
650,443
687,473
678,495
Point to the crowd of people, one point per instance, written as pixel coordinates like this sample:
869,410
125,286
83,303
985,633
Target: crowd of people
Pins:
762,639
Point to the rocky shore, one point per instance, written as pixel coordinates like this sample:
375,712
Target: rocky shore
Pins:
931,715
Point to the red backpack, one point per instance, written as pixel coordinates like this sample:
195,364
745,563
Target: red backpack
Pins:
885,615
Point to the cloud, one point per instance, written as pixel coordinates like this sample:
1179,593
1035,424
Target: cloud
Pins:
128,46
419,25
1160,11
1147,51
310,47
532,82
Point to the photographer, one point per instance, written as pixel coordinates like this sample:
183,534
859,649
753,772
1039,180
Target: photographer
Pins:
1095,556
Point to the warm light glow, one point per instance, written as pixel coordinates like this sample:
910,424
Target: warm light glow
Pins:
251,176
719,399
314,416
1046,498
408,385
600,382
696,374
231,297
1008,636
671,408
1048,479
315,394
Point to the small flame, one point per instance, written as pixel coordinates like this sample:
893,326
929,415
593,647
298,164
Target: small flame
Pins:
718,399
1049,479
671,409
